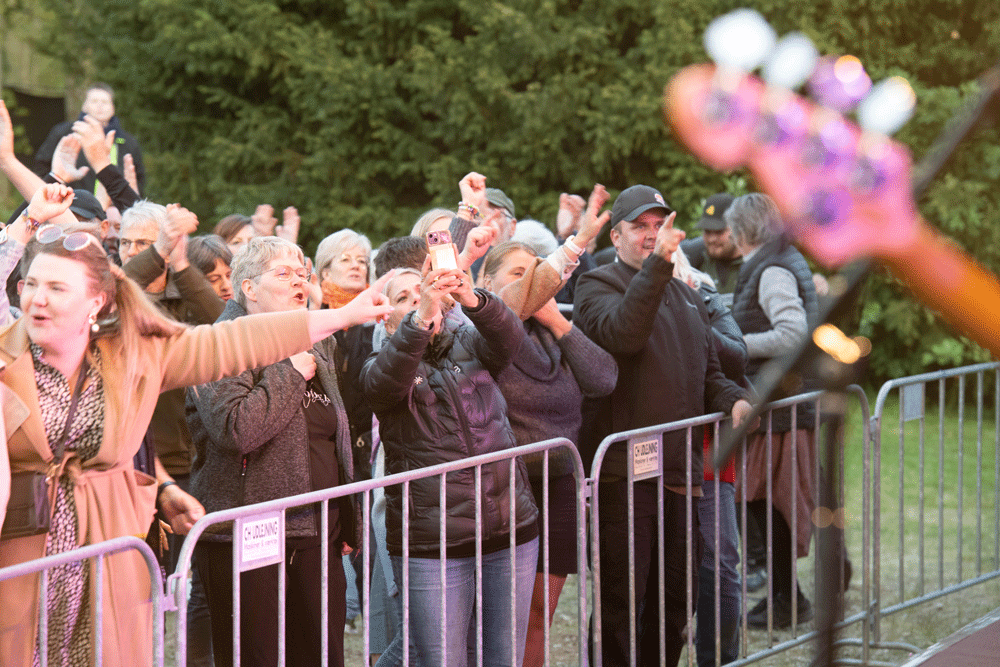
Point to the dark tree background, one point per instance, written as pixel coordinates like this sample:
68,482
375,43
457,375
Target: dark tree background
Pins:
364,113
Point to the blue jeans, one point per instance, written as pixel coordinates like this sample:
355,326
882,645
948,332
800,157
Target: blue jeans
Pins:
729,577
459,616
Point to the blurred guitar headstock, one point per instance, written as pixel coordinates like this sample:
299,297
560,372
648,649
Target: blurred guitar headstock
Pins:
842,185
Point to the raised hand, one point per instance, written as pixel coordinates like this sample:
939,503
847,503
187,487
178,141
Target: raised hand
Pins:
568,217
473,189
49,201
668,239
477,244
263,220
128,170
289,227
180,222
6,136
64,160
96,145
593,219
370,304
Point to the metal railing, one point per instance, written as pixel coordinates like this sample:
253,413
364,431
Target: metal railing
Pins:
924,538
177,582
688,426
99,552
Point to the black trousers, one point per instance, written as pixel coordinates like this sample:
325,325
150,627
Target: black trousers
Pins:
613,507
259,606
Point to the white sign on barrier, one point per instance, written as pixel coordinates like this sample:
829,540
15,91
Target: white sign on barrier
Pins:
261,540
646,460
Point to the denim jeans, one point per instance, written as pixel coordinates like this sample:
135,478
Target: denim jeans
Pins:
729,577
458,619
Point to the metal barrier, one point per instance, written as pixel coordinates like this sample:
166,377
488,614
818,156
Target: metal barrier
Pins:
950,511
177,582
98,551
640,469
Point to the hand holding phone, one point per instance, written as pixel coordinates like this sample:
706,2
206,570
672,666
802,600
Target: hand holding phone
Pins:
441,250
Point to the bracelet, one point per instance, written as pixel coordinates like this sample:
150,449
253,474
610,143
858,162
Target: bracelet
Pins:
55,178
30,223
160,488
571,245
419,323
472,209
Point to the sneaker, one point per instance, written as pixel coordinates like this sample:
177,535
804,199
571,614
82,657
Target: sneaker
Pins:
757,617
756,579
349,627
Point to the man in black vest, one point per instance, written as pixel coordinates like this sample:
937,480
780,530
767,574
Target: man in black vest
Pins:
658,330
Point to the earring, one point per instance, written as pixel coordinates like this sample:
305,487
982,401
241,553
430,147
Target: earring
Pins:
94,326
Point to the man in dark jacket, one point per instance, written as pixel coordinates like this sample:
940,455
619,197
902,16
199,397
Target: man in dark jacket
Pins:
658,330
714,252
100,104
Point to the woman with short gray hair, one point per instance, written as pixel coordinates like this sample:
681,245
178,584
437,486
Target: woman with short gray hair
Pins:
271,432
775,305
753,220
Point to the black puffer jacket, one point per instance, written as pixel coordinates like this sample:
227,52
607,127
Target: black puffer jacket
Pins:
438,401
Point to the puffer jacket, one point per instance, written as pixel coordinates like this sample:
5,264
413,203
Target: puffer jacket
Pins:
437,401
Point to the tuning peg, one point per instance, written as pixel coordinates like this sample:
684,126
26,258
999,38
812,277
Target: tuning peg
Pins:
839,82
887,107
791,62
739,41
783,118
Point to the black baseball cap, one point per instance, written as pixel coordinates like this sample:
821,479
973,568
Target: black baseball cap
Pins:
86,206
636,200
711,214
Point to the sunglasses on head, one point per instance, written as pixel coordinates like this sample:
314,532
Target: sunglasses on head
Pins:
72,241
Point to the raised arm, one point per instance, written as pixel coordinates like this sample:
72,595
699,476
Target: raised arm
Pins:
24,180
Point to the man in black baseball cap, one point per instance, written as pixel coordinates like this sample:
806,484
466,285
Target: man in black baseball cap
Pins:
658,331
714,252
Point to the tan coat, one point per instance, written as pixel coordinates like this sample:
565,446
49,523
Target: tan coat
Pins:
112,499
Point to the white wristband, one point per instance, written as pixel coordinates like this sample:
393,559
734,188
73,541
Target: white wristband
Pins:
573,247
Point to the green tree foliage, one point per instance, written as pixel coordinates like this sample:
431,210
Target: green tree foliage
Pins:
365,113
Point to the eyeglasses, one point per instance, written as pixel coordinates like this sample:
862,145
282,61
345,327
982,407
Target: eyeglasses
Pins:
73,241
360,260
285,273
140,244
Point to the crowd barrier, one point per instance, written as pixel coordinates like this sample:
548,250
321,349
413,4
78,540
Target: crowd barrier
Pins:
99,552
929,562
177,582
935,548
640,470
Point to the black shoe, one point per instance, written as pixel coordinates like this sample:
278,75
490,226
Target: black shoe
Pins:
757,617
848,572
756,579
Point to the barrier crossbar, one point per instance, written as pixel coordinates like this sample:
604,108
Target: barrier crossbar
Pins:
718,421
99,552
177,582
924,531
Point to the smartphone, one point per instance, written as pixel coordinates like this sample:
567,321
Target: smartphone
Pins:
441,250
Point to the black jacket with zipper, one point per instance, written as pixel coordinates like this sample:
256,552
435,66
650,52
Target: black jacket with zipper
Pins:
437,401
